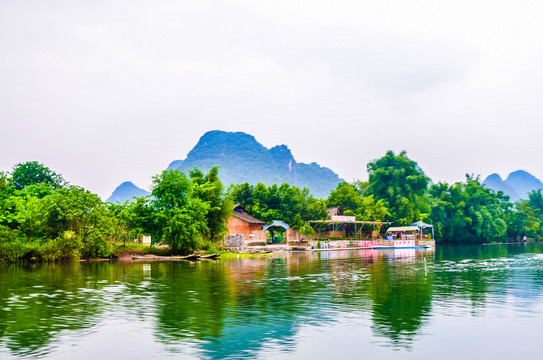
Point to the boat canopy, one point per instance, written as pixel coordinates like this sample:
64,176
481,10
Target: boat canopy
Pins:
422,225
403,228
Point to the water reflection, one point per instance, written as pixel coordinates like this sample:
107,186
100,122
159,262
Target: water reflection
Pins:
238,309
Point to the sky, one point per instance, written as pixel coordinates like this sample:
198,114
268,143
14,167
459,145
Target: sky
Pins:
108,91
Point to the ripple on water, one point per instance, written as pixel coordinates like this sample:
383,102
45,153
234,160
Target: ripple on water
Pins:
260,309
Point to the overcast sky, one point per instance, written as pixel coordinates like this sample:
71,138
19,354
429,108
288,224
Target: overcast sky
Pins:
108,91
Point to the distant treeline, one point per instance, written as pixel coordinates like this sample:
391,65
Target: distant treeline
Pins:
43,218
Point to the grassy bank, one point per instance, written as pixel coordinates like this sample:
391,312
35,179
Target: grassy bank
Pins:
69,248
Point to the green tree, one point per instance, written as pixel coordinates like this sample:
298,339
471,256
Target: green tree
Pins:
347,196
34,173
351,200
180,216
8,207
401,185
137,218
209,188
468,212
523,221
72,208
536,200
30,215
448,212
307,231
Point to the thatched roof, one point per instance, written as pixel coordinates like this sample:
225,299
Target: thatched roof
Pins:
334,211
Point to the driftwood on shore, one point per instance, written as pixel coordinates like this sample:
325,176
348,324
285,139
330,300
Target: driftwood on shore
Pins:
211,256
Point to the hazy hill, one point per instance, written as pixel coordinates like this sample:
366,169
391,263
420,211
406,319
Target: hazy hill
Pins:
517,185
126,191
496,183
243,159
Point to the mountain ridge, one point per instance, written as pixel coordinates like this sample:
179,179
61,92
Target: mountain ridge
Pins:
517,185
241,159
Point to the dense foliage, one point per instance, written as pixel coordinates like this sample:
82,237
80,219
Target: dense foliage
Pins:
44,218
468,212
287,203
401,185
350,198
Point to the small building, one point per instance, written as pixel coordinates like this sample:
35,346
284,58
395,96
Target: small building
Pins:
334,211
337,231
241,222
146,240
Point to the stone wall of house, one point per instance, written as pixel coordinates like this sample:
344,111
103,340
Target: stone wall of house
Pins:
292,235
234,241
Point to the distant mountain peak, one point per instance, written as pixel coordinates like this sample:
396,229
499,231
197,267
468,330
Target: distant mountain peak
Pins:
493,177
243,159
521,174
282,153
128,183
126,191
517,185
219,136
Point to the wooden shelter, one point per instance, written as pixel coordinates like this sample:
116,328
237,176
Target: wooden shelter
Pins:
347,227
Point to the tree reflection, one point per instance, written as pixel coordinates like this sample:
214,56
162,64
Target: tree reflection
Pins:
231,311
402,298
237,309
38,302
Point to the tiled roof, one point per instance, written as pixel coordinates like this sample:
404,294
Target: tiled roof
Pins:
240,213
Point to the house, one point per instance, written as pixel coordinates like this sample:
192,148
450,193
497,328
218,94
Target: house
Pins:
241,222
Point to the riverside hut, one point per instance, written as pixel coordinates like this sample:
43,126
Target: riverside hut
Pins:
241,222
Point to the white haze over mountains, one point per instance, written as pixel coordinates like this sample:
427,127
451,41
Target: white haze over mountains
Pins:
108,91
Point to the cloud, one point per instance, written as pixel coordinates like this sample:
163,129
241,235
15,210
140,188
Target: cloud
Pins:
122,88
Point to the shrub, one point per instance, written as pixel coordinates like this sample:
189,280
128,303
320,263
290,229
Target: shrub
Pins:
18,251
96,246
65,247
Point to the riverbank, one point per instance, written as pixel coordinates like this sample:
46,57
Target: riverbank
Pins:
63,250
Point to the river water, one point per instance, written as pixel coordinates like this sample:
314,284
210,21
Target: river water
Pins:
478,302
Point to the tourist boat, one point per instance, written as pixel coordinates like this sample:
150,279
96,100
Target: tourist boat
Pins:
406,237
398,244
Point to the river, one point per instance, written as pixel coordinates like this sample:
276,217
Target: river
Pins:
471,302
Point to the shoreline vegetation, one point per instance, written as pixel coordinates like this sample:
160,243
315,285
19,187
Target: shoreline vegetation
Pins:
45,219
